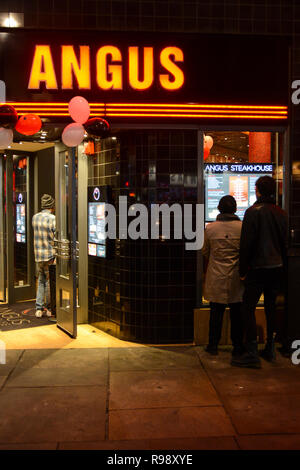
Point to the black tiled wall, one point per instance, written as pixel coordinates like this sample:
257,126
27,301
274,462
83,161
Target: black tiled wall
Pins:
147,291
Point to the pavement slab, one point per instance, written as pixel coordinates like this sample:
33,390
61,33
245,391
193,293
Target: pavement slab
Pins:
169,423
50,414
265,414
160,389
11,359
3,378
240,382
63,358
71,367
25,446
153,358
57,377
270,442
204,443
223,361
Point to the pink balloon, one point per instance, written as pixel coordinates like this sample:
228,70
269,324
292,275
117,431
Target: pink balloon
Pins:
73,134
6,137
79,109
209,141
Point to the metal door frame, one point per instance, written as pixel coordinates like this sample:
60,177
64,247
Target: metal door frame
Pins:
66,319
28,291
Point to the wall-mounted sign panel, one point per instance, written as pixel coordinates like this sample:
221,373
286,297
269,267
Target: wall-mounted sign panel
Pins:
144,68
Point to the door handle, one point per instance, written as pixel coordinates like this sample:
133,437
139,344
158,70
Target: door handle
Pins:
61,248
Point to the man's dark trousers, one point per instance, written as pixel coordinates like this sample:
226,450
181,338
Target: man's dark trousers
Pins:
265,281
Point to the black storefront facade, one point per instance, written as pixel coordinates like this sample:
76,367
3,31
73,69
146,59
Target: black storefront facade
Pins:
162,96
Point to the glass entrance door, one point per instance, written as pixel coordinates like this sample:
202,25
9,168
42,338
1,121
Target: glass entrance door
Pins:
17,210
65,243
2,233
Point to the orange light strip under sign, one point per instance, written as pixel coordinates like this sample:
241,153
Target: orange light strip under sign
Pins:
250,116
156,110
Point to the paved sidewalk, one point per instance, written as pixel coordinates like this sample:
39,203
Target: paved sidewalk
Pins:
145,398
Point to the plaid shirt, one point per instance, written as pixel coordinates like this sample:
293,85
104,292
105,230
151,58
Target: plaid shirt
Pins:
43,232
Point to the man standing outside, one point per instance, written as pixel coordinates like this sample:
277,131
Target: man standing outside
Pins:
263,255
44,226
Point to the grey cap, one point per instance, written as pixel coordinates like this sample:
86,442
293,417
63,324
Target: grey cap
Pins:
47,201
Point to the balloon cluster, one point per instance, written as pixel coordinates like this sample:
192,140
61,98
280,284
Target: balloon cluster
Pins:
208,143
79,110
28,124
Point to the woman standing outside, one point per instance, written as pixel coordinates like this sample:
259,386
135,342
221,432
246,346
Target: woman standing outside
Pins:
222,284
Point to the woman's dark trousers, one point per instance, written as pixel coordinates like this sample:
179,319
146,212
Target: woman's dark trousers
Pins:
216,321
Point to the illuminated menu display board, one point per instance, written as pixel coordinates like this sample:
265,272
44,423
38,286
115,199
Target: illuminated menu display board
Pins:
97,241
238,180
96,227
21,218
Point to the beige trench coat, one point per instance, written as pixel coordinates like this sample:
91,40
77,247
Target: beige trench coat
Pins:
221,247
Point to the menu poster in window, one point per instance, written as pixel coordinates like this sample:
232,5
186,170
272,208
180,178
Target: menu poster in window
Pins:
21,217
238,180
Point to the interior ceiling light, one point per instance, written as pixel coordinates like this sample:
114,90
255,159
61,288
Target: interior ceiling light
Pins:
12,20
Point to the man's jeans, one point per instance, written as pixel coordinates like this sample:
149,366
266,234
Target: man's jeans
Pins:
43,290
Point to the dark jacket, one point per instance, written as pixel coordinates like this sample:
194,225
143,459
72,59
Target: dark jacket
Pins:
264,237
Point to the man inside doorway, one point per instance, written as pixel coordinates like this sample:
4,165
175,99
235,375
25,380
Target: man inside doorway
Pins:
263,255
44,226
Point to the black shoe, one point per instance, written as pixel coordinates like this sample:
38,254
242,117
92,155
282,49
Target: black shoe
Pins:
237,351
213,350
284,351
249,358
269,352
52,319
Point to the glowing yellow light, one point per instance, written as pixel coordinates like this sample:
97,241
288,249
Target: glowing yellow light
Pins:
133,53
70,66
172,68
42,69
103,69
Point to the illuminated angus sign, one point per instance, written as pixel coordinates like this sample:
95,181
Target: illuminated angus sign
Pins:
124,67
109,68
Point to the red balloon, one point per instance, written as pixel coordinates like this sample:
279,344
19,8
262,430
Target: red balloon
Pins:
206,152
29,124
8,116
